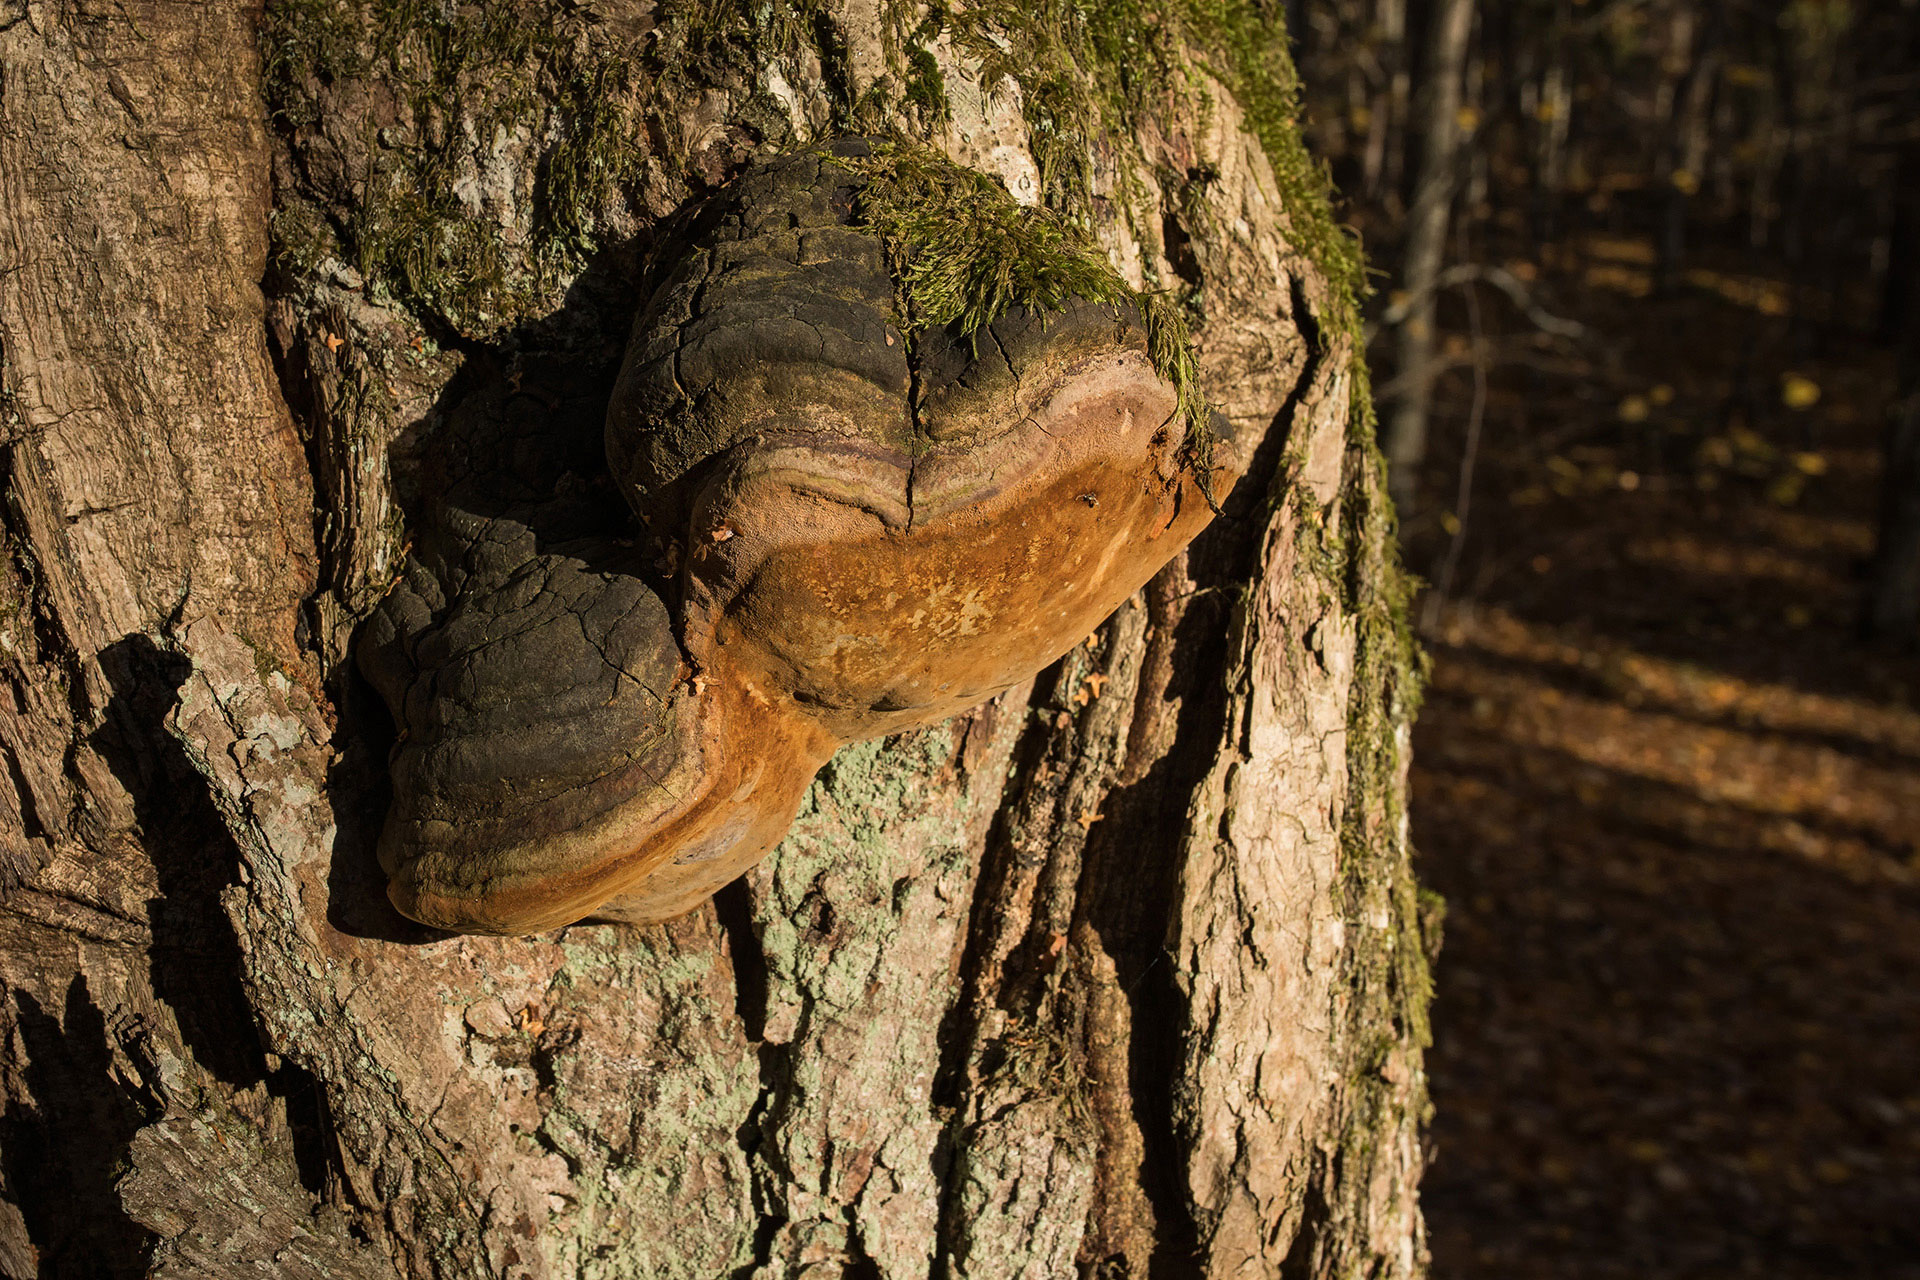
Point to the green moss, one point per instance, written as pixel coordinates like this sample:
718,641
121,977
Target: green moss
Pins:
457,71
1389,975
926,91
594,155
299,239
1250,56
1092,75
1043,1062
1388,969
305,43
1170,346
708,33
963,252
1093,72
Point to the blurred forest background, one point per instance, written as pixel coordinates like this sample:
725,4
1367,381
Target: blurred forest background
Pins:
1645,332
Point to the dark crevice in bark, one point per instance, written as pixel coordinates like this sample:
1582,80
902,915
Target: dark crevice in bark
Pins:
1315,1215
860,1264
836,68
959,1027
50,631
1250,503
63,1155
752,1139
195,961
763,1237
544,1140
358,790
1179,249
316,1144
299,391
921,436
733,907
1126,899
31,825
1002,861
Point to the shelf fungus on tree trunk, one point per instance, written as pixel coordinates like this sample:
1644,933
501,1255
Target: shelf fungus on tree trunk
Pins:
905,443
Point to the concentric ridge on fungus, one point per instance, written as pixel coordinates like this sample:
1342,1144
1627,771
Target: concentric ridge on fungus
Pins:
885,512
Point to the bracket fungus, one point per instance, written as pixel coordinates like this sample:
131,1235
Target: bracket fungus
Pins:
881,509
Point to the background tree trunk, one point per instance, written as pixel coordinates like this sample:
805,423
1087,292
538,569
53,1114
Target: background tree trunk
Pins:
1893,595
1437,112
1123,972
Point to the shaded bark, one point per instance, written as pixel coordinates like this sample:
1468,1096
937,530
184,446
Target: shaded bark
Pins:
1119,973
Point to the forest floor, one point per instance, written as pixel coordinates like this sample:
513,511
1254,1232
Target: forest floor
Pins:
1672,801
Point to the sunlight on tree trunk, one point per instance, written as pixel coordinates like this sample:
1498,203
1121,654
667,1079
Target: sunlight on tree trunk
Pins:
1123,970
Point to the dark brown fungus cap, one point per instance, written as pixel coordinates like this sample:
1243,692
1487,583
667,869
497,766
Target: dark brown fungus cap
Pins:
875,535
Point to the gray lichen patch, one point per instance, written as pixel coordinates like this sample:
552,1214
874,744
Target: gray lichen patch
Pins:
861,918
664,1188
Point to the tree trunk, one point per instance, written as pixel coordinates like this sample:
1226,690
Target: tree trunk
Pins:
1685,144
1438,116
1122,972
1892,606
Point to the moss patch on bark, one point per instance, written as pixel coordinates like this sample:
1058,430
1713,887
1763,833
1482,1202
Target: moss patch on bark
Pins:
963,252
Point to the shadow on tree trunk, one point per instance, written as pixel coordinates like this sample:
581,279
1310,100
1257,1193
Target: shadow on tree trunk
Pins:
63,1155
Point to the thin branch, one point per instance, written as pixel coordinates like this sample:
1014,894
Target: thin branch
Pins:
1501,279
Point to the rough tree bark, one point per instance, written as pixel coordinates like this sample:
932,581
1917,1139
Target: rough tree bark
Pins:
1121,974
